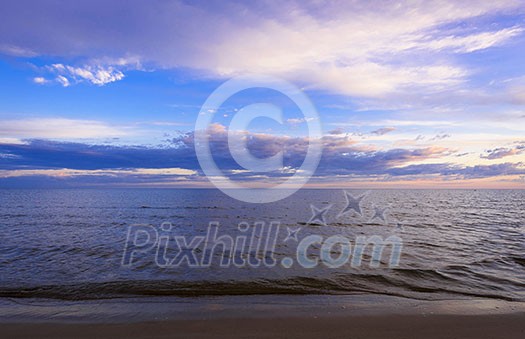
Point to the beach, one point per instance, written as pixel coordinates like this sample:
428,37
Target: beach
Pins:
416,326
271,317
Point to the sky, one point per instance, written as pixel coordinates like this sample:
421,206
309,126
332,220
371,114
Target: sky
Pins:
415,94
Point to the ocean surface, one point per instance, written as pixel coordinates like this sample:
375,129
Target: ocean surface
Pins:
69,244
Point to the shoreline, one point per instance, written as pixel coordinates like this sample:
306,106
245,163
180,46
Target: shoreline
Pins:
146,309
264,316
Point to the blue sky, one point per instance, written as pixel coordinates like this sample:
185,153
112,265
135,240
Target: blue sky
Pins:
420,94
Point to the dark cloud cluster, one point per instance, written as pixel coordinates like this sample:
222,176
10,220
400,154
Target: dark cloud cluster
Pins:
460,172
342,156
44,154
501,152
383,131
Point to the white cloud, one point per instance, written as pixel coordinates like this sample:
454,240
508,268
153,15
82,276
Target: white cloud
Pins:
368,79
474,42
166,123
17,51
12,141
98,71
66,172
40,80
62,80
97,75
297,121
357,48
56,128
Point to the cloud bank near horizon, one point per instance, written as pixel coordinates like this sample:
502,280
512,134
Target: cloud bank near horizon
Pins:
344,161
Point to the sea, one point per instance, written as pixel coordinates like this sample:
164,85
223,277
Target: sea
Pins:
93,244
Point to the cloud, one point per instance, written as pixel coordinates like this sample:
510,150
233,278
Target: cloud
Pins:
341,154
97,75
40,80
474,42
337,131
46,154
440,137
460,172
383,131
67,172
386,49
343,159
17,51
501,152
12,141
60,178
7,156
97,71
374,162
62,80
57,128
298,121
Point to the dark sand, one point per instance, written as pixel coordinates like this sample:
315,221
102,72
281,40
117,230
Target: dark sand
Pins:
362,316
393,326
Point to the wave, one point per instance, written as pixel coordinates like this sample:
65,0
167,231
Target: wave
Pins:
415,284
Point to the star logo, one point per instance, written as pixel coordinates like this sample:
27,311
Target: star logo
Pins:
352,204
379,213
292,234
318,215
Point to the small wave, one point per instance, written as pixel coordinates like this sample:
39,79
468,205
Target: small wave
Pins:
395,285
155,207
116,289
518,260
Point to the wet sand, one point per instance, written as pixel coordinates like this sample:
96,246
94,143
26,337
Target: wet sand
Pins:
314,316
391,326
